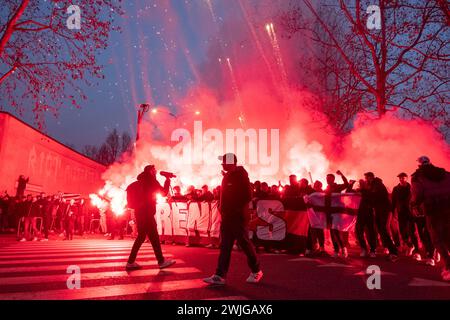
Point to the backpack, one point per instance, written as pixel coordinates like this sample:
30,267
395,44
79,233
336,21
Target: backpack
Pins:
134,195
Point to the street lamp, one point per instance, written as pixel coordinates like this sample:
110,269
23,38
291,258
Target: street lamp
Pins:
143,108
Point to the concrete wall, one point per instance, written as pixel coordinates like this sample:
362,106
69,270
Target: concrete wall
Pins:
51,166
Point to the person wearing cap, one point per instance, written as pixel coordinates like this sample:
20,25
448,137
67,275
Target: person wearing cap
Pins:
148,188
430,193
401,196
379,201
235,196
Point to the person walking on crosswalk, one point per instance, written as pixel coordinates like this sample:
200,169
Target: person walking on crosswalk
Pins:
233,206
141,196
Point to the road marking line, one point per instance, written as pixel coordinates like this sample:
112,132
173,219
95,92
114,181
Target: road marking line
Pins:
420,282
93,276
106,291
73,260
63,267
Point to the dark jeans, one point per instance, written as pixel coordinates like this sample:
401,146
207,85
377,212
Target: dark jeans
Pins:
424,235
339,239
69,225
229,232
438,226
365,224
315,235
46,221
407,228
382,220
147,227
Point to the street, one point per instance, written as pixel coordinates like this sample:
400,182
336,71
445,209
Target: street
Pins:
39,270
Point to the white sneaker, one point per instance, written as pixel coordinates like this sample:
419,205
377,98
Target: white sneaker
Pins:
417,257
430,262
393,257
386,251
363,253
409,251
132,266
35,239
44,240
436,256
372,254
255,277
344,253
215,279
445,275
23,240
166,264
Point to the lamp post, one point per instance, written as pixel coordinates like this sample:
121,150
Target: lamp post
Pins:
143,108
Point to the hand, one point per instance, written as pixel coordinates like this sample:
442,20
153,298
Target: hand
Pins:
339,172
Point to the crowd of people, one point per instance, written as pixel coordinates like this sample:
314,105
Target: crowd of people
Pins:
403,222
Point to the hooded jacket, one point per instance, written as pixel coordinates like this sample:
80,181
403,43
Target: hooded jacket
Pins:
150,187
430,188
235,193
378,194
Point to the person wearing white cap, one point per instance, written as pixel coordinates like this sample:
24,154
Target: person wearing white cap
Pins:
430,193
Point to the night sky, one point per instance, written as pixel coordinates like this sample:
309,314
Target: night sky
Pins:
153,59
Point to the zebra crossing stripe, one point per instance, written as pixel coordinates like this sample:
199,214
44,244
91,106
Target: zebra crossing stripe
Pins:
68,254
106,291
63,267
93,276
73,260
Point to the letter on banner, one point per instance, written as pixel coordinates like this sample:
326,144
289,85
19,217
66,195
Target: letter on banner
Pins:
203,222
277,228
179,217
164,219
193,217
215,219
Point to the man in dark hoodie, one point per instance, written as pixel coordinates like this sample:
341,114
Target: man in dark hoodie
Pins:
233,207
430,193
144,191
379,200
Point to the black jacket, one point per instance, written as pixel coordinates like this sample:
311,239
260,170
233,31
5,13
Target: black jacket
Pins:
379,196
401,195
150,188
235,194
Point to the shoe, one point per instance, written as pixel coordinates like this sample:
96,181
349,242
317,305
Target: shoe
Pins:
44,240
344,253
307,252
35,239
372,254
436,256
445,275
430,262
22,240
166,264
132,266
393,257
111,238
255,277
417,257
336,254
386,251
409,251
215,279
363,253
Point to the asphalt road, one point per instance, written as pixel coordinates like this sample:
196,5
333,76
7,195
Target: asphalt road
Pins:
39,270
